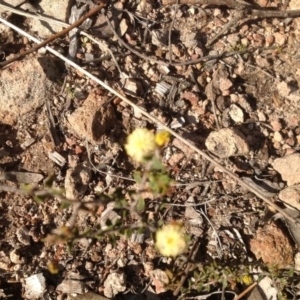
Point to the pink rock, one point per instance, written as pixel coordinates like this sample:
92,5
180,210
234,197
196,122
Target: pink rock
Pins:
279,38
193,98
269,40
289,168
175,159
225,84
276,125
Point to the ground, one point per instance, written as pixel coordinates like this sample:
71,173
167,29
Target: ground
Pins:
66,176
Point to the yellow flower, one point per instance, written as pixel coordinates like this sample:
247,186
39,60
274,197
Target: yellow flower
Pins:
140,144
247,279
170,240
162,138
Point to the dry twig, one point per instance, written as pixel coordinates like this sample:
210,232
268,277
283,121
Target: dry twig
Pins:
55,36
191,257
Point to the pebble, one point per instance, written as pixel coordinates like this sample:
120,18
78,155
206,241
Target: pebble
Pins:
289,168
283,89
276,125
279,38
277,145
277,136
291,196
227,142
236,113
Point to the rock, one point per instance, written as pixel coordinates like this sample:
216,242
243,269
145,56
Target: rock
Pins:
188,38
144,8
23,235
24,86
225,84
236,113
294,4
192,97
92,120
243,102
175,159
291,196
4,261
262,62
15,257
268,288
87,296
262,3
283,89
35,286
183,147
12,3
123,27
227,142
101,29
272,246
269,40
297,261
109,216
71,286
289,168
278,137
76,182
261,116
276,125
114,284
132,87
160,280
58,9
279,38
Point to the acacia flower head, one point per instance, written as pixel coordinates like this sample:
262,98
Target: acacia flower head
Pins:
170,240
140,144
162,138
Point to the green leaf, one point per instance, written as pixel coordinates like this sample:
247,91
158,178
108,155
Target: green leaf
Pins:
141,204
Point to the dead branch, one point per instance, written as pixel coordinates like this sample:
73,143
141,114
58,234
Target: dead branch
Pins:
55,36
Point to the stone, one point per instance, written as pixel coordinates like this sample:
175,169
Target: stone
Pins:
192,97
114,284
71,286
25,85
160,280
278,136
236,113
225,84
289,168
35,286
23,235
58,9
276,125
291,196
227,142
272,246
279,38
101,29
76,181
92,119
12,3
283,89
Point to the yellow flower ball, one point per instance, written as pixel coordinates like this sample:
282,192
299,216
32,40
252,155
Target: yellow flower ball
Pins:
140,144
247,279
170,240
162,138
